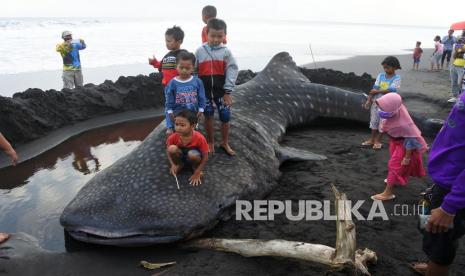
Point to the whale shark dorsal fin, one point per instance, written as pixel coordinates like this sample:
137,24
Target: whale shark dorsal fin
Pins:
282,67
292,154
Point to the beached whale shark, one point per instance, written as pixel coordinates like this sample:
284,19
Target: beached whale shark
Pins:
136,201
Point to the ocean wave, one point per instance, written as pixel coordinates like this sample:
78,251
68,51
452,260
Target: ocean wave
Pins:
17,24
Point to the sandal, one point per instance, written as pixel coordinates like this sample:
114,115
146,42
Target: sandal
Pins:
377,146
419,267
367,143
383,198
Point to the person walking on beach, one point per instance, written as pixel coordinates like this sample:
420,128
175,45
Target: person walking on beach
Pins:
448,41
187,147
208,12
217,68
457,69
437,54
406,144
446,167
69,51
417,52
8,149
386,82
184,91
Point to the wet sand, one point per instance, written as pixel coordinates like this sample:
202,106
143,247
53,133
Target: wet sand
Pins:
357,171
433,84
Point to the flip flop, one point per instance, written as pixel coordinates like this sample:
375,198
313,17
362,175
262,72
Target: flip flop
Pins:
377,146
391,197
415,269
367,143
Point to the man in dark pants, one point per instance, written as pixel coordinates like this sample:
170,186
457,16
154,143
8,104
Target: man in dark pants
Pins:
449,40
447,169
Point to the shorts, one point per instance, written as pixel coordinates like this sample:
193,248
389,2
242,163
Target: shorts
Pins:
185,154
224,111
374,117
416,60
436,57
441,248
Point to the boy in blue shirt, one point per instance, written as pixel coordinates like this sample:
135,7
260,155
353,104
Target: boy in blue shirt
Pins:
183,91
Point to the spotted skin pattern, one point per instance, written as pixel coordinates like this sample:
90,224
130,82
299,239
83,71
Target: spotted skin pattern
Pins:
136,201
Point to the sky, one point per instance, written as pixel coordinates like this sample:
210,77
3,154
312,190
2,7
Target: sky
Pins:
398,12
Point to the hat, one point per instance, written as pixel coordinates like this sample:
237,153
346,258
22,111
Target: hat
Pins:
65,34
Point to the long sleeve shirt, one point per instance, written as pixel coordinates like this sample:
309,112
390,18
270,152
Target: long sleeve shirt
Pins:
188,94
70,54
447,158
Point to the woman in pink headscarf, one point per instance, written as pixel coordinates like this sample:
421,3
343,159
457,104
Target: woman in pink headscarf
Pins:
406,144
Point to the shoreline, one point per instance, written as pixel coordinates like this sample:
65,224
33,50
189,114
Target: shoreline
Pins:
51,79
432,84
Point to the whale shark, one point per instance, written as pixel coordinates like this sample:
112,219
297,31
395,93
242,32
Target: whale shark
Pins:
136,202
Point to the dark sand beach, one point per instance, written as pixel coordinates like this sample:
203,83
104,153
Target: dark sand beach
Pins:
355,170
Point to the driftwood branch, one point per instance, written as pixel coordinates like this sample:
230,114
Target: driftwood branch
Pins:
343,255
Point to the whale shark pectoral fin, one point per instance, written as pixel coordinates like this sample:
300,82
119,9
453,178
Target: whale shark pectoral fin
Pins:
292,154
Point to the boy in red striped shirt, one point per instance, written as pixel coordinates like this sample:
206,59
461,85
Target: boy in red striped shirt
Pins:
167,66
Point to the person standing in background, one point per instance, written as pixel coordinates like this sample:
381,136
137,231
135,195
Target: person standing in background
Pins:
69,51
456,70
208,12
417,52
437,54
448,41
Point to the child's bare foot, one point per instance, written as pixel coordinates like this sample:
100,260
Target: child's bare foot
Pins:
383,196
419,268
211,148
4,237
368,142
228,149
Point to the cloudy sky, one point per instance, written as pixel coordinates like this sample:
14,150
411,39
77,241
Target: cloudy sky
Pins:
403,12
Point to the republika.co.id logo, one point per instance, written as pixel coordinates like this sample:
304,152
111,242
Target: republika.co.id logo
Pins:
306,210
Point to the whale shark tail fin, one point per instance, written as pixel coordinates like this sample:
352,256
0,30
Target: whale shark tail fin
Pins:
293,154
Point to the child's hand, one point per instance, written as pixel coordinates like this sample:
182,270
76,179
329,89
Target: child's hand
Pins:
194,180
151,60
227,99
373,92
174,169
13,156
367,104
405,161
199,115
171,117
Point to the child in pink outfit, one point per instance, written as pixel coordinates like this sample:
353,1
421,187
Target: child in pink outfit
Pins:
406,144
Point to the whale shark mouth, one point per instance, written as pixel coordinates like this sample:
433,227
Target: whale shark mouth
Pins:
125,241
